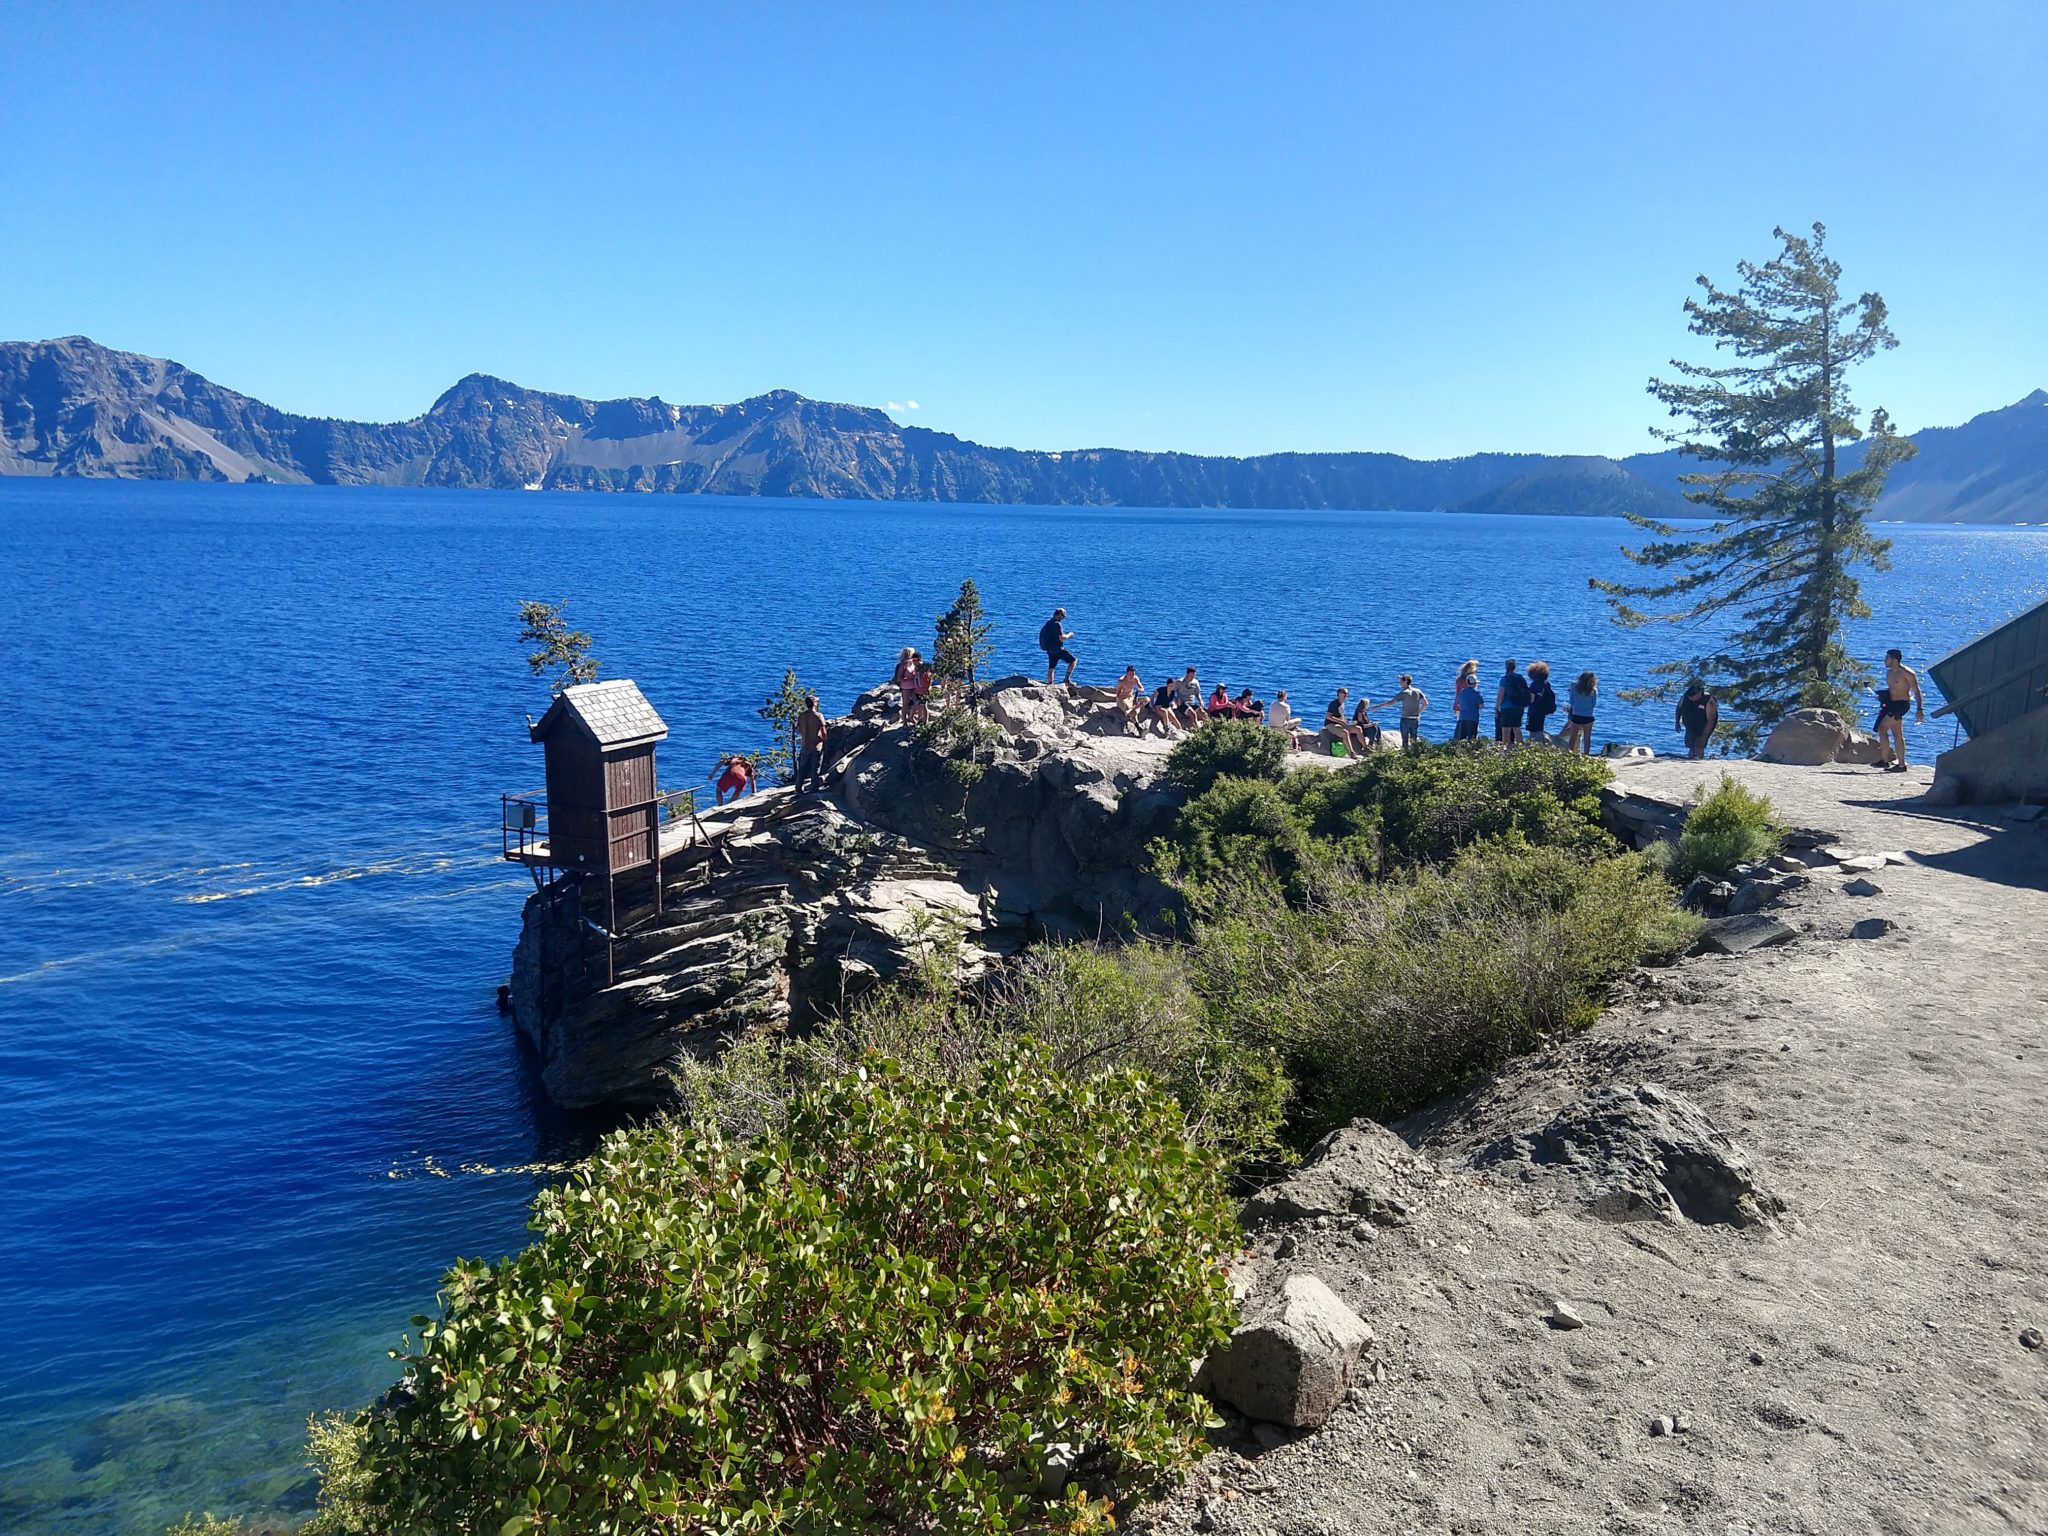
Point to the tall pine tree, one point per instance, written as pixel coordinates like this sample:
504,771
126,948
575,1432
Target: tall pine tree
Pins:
1773,578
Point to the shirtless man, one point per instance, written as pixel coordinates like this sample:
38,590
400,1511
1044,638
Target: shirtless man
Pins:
1133,702
1901,691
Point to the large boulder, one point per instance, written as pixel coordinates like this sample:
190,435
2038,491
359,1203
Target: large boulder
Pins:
1807,738
1291,1362
1641,1153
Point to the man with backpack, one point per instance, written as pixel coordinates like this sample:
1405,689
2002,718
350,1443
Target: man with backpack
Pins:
1510,704
1053,636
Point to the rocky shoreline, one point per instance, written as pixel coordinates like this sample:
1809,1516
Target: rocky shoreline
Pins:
796,904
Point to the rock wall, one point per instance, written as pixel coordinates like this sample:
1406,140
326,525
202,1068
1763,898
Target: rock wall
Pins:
800,903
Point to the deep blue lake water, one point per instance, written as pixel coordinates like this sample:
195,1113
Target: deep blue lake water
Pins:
252,917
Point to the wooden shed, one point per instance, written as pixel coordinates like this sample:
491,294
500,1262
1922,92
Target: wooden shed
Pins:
603,809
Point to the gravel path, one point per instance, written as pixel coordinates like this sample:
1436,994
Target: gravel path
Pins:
1860,1371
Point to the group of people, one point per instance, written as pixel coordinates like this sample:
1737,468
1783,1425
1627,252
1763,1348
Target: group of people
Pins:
1524,704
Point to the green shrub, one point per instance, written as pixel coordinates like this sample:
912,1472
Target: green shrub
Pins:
1729,826
1225,749
1135,1006
1240,827
880,1316
1385,994
1093,1008
1390,811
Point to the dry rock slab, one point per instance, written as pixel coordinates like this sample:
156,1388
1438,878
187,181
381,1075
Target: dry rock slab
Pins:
1739,935
1862,887
1641,1152
1291,1364
1873,928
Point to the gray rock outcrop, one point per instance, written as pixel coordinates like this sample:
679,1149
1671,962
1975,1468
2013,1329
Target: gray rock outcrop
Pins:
1640,1153
1291,1361
794,905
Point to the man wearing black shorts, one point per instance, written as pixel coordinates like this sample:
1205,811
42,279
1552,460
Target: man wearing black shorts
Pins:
1053,636
1901,692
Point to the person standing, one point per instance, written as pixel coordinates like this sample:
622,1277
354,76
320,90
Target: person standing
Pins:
1412,701
1698,714
1579,707
1467,704
1053,636
905,679
810,755
1542,700
1901,692
1510,703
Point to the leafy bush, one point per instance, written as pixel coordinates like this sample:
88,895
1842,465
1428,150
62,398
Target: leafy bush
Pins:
1240,826
1385,994
1093,1008
880,1316
1391,811
1225,749
1729,826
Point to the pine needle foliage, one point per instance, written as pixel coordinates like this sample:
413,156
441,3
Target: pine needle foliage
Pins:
1790,505
781,709
962,645
560,653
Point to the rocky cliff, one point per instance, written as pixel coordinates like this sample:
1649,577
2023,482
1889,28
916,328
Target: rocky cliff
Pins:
796,904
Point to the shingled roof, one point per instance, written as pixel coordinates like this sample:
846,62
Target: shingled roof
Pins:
616,713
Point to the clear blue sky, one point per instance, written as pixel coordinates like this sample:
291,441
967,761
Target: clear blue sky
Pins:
1223,228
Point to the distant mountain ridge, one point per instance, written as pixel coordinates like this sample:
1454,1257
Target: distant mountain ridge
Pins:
71,407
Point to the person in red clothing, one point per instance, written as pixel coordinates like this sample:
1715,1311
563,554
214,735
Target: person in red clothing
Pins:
735,776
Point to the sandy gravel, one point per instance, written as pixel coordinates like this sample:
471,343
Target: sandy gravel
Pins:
1859,1372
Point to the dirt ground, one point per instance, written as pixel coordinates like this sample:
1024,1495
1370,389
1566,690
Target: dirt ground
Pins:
1860,1371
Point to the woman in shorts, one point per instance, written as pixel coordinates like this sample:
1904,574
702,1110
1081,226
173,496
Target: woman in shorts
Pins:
1579,706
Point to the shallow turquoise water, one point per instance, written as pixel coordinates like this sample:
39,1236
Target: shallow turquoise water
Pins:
252,917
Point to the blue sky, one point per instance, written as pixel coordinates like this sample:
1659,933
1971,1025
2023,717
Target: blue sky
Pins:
1222,228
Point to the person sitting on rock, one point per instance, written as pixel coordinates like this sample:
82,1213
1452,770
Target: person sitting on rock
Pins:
1219,706
1187,698
1281,717
1336,727
1363,726
1131,701
1246,707
735,775
1164,712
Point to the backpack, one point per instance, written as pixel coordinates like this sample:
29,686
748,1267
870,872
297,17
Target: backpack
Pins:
1514,691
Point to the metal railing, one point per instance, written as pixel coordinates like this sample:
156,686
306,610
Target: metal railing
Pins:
524,826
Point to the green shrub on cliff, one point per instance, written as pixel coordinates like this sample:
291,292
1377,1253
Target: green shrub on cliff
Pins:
1392,810
881,1315
1384,994
1225,749
1095,1009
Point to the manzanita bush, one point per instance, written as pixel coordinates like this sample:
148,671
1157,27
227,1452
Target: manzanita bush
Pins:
883,1315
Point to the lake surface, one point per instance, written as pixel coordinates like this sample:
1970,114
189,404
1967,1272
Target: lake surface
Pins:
252,917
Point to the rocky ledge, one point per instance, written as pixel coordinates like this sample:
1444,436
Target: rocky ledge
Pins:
792,905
